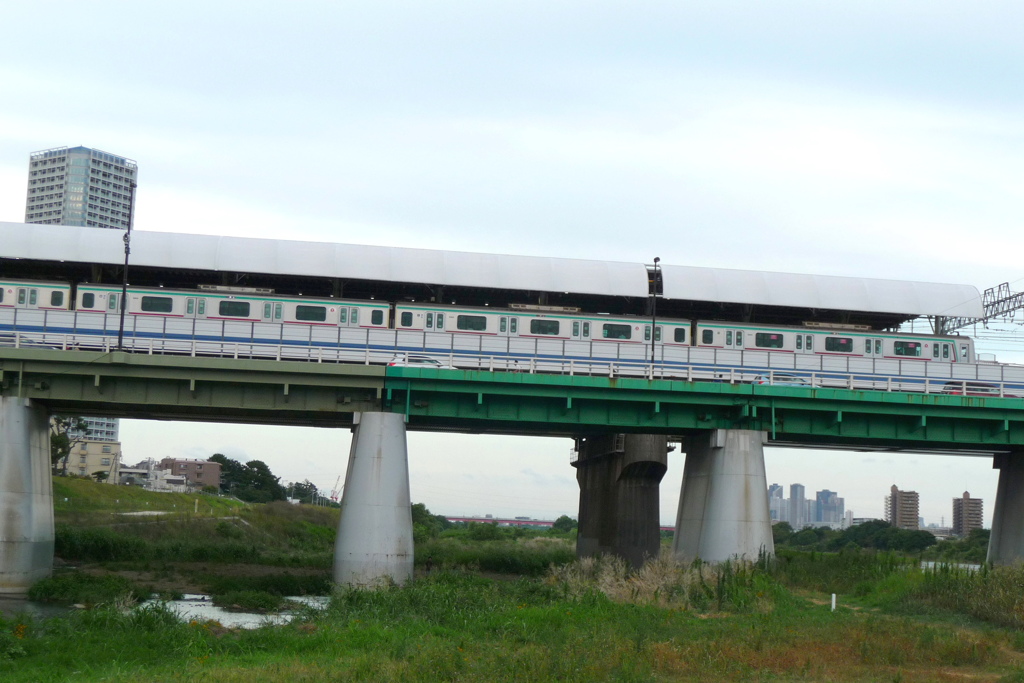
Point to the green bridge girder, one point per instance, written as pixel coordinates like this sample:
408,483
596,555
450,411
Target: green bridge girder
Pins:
580,405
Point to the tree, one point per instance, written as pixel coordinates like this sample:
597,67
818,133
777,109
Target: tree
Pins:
252,482
565,524
65,433
305,491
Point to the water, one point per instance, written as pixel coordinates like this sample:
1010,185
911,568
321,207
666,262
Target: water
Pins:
192,607
197,607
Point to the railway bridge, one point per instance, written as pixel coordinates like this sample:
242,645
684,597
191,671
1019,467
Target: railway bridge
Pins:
623,412
622,425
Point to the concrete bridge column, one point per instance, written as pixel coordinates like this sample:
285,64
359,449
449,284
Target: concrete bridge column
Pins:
26,495
374,544
723,506
1006,543
619,476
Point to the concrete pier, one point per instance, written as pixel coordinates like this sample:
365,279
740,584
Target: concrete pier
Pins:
619,476
374,545
1006,543
723,506
26,495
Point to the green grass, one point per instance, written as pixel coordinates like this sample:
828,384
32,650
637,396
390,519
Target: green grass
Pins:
75,499
458,626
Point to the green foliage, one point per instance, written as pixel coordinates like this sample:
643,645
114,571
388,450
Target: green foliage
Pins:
565,524
65,432
876,534
525,557
78,587
248,601
252,482
973,549
484,532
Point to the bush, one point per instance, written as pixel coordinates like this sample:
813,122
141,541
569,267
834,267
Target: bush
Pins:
76,587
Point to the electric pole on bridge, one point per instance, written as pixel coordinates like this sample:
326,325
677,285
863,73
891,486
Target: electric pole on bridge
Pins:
127,250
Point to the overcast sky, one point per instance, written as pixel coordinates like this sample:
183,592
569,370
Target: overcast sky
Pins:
870,139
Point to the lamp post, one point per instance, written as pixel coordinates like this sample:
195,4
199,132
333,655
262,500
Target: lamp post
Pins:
127,250
654,311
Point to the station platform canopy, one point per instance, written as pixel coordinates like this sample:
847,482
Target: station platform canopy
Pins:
611,279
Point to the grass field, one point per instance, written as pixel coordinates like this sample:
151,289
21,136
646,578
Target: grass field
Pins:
507,609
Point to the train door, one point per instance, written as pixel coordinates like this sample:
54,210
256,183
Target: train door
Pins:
273,312
503,326
28,297
872,348
944,352
734,339
804,343
195,307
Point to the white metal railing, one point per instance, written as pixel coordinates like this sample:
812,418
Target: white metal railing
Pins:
690,372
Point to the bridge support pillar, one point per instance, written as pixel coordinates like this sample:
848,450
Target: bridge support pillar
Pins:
1006,544
619,477
26,495
723,505
374,544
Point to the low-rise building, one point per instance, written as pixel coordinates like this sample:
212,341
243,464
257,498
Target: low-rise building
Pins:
198,473
97,459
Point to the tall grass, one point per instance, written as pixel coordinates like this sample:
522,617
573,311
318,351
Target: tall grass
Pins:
523,557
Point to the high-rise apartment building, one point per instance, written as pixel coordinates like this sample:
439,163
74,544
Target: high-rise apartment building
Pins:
80,186
797,506
88,187
967,514
829,507
901,508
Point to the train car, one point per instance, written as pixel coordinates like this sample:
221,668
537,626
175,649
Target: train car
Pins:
849,343
32,294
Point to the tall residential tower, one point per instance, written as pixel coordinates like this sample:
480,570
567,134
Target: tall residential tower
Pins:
88,187
80,186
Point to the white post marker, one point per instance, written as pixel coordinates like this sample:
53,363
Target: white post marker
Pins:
833,602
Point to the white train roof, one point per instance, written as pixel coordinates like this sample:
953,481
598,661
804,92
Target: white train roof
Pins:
455,268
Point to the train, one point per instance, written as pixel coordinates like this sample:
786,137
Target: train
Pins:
241,321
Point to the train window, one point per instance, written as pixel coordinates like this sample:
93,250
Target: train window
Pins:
513,325
586,329
935,350
657,333
680,335
377,317
867,346
235,309
615,331
202,307
440,321
430,321
473,323
906,348
33,295
406,318
799,342
21,296
963,352
878,346
707,337
317,314
56,298
809,342
354,316
1,294
278,310
768,340
541,326
647,333
945,351
266,310
112,302
88,299
575,328
503,325
728,338
840,344
157,304
343,316
190,306
739,338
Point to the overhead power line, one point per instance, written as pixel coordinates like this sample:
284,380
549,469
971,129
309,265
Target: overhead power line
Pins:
998,302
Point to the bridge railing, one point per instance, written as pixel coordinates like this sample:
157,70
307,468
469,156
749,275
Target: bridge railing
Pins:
813,377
